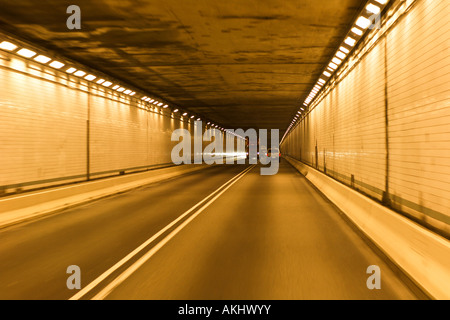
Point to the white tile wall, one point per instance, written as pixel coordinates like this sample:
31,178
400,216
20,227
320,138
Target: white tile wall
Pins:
419,107
42,124
349,123
43,128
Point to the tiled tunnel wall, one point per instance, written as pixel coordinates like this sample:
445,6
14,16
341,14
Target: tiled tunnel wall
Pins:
383,124
56,128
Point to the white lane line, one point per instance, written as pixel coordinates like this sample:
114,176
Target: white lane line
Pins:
108,272
122,277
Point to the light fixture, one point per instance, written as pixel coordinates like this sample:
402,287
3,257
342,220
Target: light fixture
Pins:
128,91
363,22
166,106
340,55
133,93
120,89
107,83
176,110
26,53
382,1
322,81
79,73
71,70
192,117
327,74
357,31
5,45
116,87
155,102
144,98
160,104
42,59
350,41
100,81
336,60
373,8
343,49
90,77
56,64
332,66
199,119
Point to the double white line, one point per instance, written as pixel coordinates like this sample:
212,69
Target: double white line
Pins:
197,209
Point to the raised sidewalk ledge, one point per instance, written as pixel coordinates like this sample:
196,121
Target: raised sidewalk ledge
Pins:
18,208
423,255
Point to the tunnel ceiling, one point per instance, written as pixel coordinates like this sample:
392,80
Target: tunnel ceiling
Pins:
241,63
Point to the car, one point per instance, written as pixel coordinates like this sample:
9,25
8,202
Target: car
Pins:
273,153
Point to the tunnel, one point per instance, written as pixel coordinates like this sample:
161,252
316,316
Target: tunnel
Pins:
241,150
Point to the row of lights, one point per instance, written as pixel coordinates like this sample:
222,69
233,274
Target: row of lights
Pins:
361,25
30,54
43,59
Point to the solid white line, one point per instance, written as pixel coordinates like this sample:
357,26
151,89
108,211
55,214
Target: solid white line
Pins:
108,272
122,277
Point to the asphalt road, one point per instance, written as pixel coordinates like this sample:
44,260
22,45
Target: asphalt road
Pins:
257,237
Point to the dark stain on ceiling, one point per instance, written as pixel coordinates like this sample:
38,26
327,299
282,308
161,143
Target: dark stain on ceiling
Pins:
240,63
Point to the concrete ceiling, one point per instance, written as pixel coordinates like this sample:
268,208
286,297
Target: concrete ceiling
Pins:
241,63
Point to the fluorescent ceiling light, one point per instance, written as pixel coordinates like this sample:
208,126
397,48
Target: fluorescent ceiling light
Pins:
100,81
79,73
5,45
373,8
71,70
107,83
350,41
151,100
116,87
357,31
327,74
120,89
363,23
56,64
199,119
42,59
185,114
133,93
176,110
160,104
340,55
382,1
144,98
90,77
192,117
155,102
166,106
337,61
322,81
333,66
26,53
343,49
127,91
